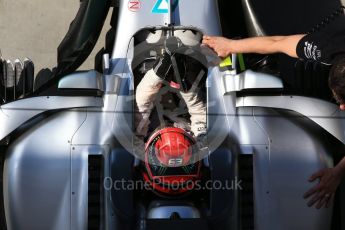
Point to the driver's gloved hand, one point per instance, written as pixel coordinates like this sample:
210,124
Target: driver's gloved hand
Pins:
139,147
201,147
201,141
162,65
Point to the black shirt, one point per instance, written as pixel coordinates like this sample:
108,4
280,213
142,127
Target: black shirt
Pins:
326,43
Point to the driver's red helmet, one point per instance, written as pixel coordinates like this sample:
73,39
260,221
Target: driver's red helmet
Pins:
170,167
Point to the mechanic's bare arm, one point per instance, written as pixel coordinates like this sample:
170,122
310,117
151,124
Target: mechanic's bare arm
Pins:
263,45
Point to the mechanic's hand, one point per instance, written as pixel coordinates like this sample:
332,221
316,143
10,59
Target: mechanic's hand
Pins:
322,193
221,45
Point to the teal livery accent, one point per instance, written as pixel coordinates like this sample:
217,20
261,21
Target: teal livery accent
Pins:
161,7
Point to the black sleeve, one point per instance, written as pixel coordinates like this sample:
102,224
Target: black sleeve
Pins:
324,44
82,35
307,48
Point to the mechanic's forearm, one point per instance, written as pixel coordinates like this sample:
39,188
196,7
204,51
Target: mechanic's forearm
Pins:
262,45
340,167
267,45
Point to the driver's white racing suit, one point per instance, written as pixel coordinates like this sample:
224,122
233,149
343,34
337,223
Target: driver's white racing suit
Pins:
146,93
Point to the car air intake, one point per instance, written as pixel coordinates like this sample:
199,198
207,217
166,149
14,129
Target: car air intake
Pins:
95,170
245,165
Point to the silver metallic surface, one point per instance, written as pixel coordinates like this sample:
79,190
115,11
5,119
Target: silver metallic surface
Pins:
45,172
131,22
220,110
234,63
289,152
79,181
251,80
323,113
14,114
105,62
112,84
37,175
198,14
82,80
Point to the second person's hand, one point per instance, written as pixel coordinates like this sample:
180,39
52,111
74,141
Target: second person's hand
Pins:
220,45
321,194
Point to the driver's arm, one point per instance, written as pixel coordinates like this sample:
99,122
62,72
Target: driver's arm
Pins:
263,45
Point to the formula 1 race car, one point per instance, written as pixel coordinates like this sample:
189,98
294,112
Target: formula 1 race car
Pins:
68,158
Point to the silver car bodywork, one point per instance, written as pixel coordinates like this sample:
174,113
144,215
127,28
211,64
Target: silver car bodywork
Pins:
46,170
